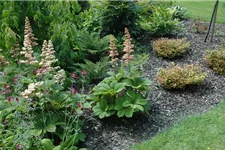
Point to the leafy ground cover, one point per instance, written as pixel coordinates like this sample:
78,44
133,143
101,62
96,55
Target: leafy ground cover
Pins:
203,10
206,131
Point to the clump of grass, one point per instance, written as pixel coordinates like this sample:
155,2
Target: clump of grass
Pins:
205,132
216,60
177,77
170,48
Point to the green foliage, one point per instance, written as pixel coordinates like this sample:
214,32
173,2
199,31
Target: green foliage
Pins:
85,5
96,71
116,15
216,60
178,11
177,77
160,22
9,18
170,48
90,46
90,19
123,93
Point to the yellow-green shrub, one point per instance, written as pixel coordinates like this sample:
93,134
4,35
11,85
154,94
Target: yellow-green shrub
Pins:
216,60
177,77
170,48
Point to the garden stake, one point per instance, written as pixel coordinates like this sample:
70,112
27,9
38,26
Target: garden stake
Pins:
212,18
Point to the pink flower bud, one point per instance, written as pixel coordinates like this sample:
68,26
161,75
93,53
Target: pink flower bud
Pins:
73,75
73,91
84,73
79,105
10,98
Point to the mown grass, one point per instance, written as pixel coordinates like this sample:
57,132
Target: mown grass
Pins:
204,132
203,10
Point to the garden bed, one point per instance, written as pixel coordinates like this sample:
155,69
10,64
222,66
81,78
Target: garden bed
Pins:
167,106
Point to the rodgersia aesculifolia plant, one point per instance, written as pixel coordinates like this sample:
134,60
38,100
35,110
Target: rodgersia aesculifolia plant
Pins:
125,91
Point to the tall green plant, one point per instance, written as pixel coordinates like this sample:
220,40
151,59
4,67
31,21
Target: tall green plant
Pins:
9,19
161,22
116,15
125,91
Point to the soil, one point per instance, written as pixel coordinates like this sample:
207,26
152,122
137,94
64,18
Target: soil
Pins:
168,106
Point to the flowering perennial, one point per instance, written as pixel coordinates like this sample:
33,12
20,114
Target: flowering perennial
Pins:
60,76
3,61
31,89
113,50
48,58
128,47
29,42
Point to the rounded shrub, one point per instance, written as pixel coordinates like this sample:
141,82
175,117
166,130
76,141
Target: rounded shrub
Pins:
216,60
177,77
170,48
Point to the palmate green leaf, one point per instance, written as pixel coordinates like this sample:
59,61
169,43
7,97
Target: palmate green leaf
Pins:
119,103
87,105
97,110
81,137
119,87
141,84
138,107
36,132
52,118
131,94
128,112
127,104
100,107
47,144
128,82
92,97
103,104
102,88
121,113
57,148
141,101
51,128
103,115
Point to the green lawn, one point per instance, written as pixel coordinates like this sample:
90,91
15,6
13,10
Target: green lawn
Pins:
204,132
203,10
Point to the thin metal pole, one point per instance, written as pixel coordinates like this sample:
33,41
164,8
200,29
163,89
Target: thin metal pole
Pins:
214,21
211,20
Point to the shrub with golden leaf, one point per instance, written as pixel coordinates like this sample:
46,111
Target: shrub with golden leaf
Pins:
177,77
216,60
170,48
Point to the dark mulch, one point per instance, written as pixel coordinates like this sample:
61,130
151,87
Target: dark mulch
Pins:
167,106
